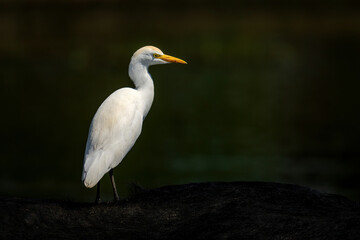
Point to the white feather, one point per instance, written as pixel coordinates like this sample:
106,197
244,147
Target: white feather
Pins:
113,131
118,121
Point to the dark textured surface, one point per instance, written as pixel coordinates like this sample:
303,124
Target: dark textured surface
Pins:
235,210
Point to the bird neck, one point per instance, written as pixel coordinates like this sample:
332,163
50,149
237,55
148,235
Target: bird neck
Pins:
140,75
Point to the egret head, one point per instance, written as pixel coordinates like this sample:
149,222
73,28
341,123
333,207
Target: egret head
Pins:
150,55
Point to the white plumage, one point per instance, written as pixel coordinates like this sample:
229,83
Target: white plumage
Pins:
113,131
118,121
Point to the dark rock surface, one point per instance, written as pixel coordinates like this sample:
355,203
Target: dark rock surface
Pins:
215,210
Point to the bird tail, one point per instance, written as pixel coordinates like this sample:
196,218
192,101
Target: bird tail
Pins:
95,167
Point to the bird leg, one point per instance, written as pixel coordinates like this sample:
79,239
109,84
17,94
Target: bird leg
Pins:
116,195
98,200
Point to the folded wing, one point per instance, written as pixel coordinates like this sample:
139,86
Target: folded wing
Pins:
113,131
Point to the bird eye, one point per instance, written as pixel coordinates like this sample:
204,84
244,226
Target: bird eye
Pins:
156,55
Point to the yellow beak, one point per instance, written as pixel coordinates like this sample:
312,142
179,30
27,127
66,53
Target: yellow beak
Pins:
168,58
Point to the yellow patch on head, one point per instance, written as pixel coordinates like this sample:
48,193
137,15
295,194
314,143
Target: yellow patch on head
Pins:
153,48
147,48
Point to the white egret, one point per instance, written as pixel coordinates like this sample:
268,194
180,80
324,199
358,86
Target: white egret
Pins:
118,121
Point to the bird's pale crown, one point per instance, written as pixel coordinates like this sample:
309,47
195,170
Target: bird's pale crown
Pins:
155,56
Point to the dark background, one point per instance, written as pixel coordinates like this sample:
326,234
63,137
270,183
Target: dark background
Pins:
270,92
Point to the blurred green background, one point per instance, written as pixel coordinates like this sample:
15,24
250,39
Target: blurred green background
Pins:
270,92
